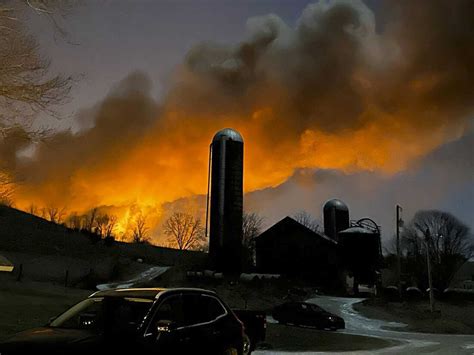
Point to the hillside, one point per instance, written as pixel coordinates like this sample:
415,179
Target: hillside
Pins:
47,251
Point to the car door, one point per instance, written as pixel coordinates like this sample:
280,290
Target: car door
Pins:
167,332
215,323
206,324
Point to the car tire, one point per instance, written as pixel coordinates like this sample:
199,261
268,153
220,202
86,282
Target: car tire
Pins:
231,351
247,347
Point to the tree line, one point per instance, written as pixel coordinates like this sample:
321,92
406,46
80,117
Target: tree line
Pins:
446,239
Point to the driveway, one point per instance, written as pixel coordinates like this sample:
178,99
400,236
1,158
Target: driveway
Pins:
409,342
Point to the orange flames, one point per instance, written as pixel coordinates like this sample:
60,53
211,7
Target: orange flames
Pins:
161,169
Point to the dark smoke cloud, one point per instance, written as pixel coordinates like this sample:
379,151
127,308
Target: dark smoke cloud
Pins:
325,72
121,121
443,180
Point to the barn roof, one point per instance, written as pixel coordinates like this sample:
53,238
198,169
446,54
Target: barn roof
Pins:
289,223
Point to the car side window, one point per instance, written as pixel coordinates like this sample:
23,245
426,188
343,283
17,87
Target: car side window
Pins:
171,309
188,309
201,309
213,308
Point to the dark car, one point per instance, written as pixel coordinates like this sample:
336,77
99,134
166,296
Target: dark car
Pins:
145,321
307,314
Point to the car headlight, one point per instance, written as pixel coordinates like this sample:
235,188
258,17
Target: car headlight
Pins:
332,319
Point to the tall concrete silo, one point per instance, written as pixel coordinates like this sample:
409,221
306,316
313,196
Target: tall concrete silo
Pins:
336,217
226,200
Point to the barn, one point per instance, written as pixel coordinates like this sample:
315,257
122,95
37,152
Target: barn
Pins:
291,249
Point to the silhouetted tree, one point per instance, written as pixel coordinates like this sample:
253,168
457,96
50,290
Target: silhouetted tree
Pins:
105,225
74,221
6,189
184,231
140,230
447,240
26,85
33,209
89,221
307,220
54,214
252,224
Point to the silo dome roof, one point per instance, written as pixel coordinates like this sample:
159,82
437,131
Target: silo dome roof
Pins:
228,133
337,204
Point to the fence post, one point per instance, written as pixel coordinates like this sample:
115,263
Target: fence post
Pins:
20,273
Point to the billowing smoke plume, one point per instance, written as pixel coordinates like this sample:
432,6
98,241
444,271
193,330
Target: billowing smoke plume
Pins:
336,91
443,179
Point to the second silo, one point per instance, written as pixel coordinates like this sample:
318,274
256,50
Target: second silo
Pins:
226,200
336,217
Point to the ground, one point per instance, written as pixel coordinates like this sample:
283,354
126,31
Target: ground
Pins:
30,304
449,317
291,338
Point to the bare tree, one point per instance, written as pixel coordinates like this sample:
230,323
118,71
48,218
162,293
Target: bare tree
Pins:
55,214
252,224
110,227
25,82
89,222
184,231
6,189
26,85
307,220
74,221
447,239
140,230
33,209
105,225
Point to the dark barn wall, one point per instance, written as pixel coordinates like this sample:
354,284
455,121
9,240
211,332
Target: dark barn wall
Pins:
225,245
290,249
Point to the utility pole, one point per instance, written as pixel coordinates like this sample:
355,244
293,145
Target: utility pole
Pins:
399,264
428,261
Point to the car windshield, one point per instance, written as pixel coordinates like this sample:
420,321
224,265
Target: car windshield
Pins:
316,308
102,312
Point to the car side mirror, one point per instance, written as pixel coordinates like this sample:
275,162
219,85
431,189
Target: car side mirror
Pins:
165,326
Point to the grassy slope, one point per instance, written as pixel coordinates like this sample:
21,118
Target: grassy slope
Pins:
28,305
450,318
26,233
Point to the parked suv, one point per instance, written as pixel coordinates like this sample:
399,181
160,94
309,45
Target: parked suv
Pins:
146,321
